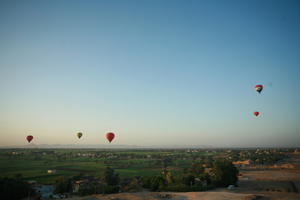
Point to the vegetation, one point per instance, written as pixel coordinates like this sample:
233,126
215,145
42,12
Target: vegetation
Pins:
224,173
9,186
63,185
111,179
33,164
93,171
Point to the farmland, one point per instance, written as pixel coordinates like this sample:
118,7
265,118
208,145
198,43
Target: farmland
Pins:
262,173
33,164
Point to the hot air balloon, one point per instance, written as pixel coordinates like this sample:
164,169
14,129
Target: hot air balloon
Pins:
256,113
110,136
79,135
259,88
29,138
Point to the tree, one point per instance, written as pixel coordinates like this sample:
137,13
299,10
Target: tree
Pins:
156,183
188,180
205,179
131,185
14,189
110,177
91,187
169,178
63,185
196,169
224,173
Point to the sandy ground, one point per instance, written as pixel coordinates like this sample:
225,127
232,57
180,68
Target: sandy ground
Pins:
217,195
172,196
273,175
270,180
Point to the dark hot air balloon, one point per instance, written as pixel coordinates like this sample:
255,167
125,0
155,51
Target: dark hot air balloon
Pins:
79,135
29,138
110,136
256,113
259,88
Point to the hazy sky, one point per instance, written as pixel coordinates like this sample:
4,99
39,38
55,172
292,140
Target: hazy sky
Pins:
154,72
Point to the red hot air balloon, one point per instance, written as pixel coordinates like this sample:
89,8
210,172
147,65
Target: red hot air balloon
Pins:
29,138
259,88
256,113
110,136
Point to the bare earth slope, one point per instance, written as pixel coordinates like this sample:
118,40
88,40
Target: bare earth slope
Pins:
172,196
192,196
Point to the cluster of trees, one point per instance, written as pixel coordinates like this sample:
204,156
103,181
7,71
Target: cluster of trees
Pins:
108,183
14,188
63,185
265,157
221,174
224,173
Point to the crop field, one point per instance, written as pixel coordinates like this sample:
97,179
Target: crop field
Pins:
34,164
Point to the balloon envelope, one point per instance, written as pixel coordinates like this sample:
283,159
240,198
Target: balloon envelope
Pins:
110,136
259,88
29,138
79,135
256,113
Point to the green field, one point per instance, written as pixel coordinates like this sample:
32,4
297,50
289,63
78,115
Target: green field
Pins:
33,164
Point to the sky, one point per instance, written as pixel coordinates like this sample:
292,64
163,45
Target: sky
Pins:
153,72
